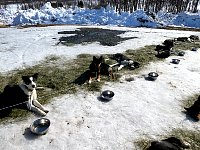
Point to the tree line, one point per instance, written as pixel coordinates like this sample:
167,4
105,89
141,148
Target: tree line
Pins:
174,6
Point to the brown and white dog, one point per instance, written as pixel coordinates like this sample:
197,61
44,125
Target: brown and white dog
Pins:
23,94
194,110
97,68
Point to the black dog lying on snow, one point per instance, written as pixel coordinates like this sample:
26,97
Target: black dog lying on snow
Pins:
21,96
171,143
194,110
165,49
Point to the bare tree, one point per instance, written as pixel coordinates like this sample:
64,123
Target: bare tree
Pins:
196,2
174,6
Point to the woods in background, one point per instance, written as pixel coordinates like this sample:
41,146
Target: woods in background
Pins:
174,6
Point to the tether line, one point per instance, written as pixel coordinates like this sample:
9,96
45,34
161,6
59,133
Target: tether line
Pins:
12,105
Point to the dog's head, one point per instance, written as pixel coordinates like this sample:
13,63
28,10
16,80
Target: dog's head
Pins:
169,43
30,81
97,61
177,142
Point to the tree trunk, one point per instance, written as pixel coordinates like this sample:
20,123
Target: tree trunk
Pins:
195,6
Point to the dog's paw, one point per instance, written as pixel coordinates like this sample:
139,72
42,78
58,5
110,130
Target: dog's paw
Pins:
43,114
46,111
186,108
98,80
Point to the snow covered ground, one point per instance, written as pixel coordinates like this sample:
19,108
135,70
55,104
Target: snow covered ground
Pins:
32,45
139,109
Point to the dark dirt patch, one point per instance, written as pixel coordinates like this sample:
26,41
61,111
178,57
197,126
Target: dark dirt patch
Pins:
89,35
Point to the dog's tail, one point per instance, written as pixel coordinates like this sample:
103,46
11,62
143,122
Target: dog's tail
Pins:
113,65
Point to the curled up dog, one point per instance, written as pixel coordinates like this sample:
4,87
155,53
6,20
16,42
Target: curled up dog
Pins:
98,68
171,143
24,94
194,110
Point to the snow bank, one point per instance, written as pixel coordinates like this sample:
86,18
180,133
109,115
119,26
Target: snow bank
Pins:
102,16
49,15
187,19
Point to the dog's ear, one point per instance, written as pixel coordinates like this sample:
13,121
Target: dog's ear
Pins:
101,58
172,140
199,98
35,76
181,143
94,58
25,78
154,143
176,141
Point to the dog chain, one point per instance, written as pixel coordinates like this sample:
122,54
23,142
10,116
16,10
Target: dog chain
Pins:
12,105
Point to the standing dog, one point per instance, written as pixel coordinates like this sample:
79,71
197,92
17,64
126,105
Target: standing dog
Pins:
23,94
171,143
97,67
124,61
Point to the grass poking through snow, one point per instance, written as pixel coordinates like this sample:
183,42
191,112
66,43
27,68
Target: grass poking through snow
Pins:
142,144
59,76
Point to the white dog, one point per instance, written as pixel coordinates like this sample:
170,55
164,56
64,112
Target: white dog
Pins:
29,88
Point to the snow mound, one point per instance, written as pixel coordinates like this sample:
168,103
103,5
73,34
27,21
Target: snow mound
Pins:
49,15
187,19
